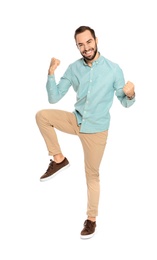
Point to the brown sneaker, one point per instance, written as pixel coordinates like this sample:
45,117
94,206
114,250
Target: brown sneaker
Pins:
54,168
89,229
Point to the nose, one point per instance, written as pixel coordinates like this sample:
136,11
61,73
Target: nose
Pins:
86,47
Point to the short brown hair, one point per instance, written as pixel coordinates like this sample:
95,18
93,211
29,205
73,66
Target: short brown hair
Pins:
83,29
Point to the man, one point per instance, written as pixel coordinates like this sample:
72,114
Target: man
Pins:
95,79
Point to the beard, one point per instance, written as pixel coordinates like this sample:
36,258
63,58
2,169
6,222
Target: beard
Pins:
93,56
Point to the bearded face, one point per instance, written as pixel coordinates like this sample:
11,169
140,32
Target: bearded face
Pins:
87,45
90,53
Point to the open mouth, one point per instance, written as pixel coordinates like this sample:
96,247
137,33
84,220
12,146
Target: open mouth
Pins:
88,53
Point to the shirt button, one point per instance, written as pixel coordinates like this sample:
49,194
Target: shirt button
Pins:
90,80
88,91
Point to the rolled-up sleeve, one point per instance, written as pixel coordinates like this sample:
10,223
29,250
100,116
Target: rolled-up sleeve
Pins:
56,91
118,86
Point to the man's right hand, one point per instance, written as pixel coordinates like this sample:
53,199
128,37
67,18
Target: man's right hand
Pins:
53,65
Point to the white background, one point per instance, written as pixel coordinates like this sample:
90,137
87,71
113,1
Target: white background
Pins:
44,220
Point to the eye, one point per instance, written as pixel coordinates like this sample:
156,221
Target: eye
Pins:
80,45
89,41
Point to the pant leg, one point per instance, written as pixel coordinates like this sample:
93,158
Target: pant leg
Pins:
93,146
49,119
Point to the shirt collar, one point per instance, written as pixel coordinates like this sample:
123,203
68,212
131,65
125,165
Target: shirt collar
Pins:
94,62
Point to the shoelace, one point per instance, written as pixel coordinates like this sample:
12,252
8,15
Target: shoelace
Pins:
88,225
50,165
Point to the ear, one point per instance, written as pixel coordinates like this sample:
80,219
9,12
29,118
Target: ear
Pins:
96,40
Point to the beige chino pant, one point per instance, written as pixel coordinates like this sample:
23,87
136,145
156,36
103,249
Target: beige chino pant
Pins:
93,147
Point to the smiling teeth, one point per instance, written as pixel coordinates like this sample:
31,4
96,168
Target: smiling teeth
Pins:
88,52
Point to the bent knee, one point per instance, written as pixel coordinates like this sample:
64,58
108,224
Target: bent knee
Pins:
39,115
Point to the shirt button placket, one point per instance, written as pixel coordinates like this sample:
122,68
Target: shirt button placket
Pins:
88,93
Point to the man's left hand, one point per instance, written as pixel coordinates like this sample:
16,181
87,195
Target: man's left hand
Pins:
129,89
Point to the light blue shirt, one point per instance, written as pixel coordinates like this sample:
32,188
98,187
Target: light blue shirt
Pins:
95,87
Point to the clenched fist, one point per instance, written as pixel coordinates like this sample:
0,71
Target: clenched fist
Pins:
53,65
129,89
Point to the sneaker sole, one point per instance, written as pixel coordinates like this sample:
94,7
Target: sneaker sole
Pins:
88,236
53,175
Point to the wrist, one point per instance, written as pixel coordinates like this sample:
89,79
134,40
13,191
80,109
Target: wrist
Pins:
131,97
50,72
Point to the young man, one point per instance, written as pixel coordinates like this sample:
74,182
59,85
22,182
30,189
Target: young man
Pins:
95,80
